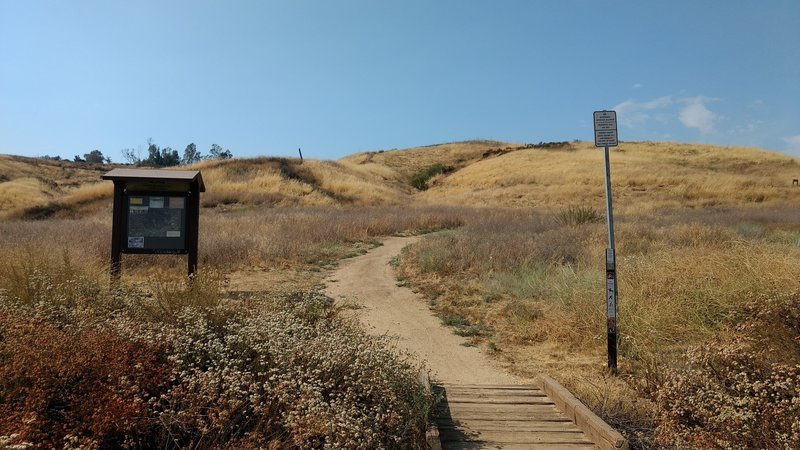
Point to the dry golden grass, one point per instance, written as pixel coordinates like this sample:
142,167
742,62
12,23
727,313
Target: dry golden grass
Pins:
385,173
88,193
405,163
288,182
646,177
33,188
23,191
32,184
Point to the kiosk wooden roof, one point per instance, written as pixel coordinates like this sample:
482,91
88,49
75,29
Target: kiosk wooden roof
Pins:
155,175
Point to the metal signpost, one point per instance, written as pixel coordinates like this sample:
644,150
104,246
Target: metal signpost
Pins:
605,135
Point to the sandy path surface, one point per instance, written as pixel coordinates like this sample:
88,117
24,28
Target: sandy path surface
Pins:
369,281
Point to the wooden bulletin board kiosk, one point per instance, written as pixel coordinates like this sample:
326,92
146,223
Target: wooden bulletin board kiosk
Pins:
155,212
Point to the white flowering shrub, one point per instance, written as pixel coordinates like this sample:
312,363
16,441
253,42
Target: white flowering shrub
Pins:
132,369
740,392
307,381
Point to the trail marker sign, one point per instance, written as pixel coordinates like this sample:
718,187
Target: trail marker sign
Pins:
605,135
605,129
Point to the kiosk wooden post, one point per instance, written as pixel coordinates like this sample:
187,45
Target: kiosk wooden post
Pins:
155,212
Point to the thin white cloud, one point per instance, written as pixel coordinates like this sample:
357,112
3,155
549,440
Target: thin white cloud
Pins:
793,142
637,86
746,128
632,113
696,115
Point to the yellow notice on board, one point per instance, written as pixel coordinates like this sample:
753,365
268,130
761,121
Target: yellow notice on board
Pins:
137,200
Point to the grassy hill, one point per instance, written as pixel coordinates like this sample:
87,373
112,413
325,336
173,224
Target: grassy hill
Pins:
646,177
401,165
290,182
33,187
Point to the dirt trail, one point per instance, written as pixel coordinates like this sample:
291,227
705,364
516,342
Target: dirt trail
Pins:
369,281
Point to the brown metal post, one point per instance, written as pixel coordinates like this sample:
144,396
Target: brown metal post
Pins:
116,230
193,216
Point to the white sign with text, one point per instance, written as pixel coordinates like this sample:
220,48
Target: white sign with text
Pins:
605,129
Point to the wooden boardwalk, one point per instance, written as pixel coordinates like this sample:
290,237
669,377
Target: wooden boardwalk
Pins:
504,417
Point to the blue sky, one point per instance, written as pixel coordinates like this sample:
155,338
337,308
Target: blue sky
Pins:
337,77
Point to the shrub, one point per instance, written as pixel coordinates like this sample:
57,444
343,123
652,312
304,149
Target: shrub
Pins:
89,386
164,372
420,180
294,375
549,145
578,215
739,392
729,399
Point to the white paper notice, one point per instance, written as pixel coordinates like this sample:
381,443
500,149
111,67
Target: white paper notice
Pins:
135,241
177,202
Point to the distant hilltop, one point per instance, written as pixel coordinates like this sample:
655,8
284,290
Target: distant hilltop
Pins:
647,176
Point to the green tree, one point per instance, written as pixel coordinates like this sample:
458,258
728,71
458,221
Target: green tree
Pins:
191,155
217,152
94,156
160,157
169,157
153,154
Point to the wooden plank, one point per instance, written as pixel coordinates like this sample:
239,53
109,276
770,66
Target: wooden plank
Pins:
472,431
541,407
477,390
495,415
505,417
509,418
489,389
501,400
500,437
596,428
478,445
492,393
503,425
527,387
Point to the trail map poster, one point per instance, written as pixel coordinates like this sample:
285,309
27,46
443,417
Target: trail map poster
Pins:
156,224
